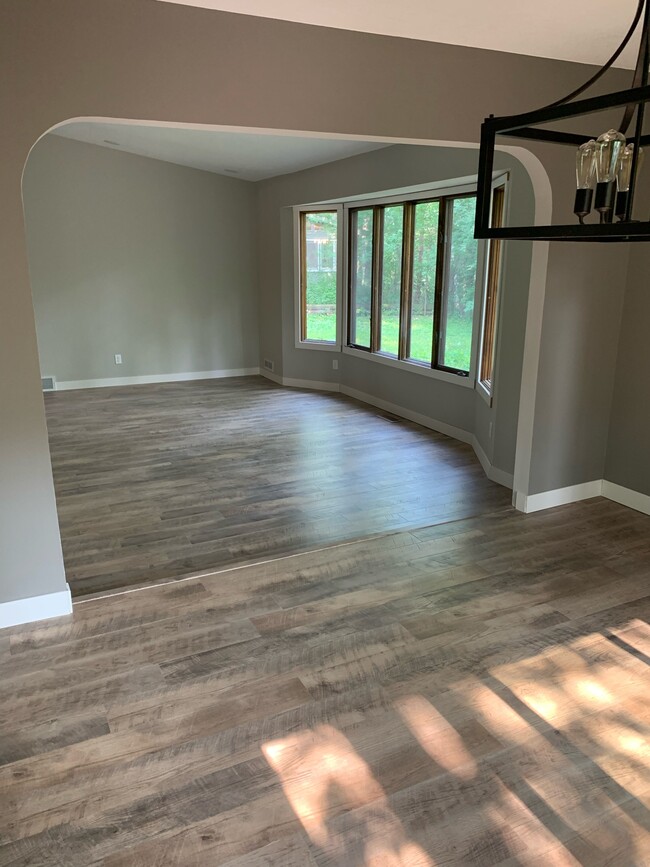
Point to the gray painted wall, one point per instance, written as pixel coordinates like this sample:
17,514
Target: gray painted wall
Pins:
140,257
585,288
382,170
582,314
628,453
165,62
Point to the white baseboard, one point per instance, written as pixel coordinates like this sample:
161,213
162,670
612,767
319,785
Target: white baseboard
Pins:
574,493
35,608
424,420
493,473
268,374
558,497
71,384
626,497
501,477
521,501
457,433
310,383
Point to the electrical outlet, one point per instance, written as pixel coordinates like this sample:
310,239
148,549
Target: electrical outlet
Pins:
335,364
118,358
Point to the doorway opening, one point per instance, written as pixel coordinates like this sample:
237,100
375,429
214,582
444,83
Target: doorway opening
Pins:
190,431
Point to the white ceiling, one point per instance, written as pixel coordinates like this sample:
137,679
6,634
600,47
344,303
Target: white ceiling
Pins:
248,156
580,30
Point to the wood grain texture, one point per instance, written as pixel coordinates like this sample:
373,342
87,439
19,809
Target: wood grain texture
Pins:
156,482
468,693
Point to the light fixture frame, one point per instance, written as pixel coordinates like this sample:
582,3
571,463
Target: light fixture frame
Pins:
523,126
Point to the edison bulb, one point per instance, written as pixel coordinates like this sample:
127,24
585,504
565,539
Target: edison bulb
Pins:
586,165
609,149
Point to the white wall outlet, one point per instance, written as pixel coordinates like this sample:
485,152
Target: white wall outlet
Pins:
118,358
335,364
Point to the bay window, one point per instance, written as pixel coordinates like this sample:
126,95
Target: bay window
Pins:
412,280
419,288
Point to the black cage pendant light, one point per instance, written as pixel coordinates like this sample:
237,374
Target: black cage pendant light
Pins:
607,165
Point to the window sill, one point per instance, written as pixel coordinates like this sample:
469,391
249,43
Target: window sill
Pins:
315,344
412,367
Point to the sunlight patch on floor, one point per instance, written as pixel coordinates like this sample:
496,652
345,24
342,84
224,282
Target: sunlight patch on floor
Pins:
427,725
568,719
320,771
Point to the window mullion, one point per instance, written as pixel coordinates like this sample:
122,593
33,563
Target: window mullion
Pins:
375,298
441,272
406,286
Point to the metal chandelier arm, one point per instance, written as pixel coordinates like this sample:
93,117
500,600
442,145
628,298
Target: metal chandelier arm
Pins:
641,70
612,60
642,73
606,176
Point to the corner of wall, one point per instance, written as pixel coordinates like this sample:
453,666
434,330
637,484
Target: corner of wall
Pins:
21,611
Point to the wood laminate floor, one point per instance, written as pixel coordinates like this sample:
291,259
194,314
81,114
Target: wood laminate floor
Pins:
159,481
469,693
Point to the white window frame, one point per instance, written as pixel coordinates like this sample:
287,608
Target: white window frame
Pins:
321,345
421,191
449,189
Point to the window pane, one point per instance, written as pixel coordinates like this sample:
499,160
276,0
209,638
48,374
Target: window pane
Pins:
460,286
423,286
361,277
320,276
391,278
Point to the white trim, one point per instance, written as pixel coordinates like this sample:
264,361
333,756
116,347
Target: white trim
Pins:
558,497
412,367
483,459
501,477
35,608
308,383
493,473
431,423
314,385
626,497
270,374
447,190
585,491
300,383
297,305
318,344
534,320
484,392
537,288
156,377
437,189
